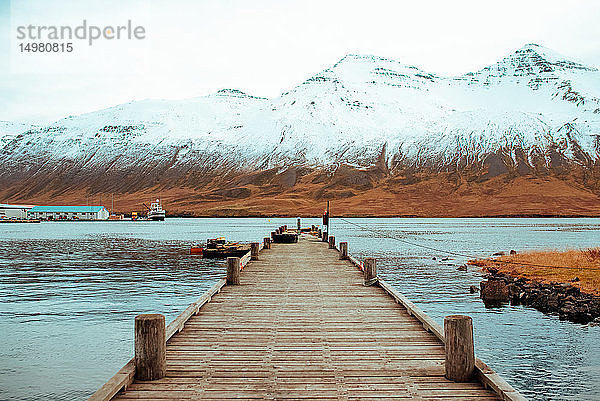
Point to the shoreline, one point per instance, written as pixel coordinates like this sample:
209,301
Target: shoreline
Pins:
369,216
259,216
562,299
565,283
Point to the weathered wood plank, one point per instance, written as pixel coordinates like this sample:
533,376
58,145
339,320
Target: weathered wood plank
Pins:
301,325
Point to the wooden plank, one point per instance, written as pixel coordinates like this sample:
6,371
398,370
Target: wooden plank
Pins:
125,375
178,323
301,325
118,382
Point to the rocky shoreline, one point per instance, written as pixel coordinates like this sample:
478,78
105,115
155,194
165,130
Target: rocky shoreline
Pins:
563,299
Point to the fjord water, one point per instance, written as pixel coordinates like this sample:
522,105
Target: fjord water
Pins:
69,293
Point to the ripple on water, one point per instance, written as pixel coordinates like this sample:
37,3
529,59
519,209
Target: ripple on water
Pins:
69,293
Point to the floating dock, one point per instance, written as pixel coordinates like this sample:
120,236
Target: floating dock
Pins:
302,324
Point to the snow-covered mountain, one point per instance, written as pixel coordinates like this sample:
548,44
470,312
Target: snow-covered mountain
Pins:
534,112
9,131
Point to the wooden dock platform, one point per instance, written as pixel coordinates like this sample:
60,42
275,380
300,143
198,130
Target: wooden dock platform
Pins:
302,325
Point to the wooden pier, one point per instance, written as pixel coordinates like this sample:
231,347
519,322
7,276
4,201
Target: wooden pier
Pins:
302,324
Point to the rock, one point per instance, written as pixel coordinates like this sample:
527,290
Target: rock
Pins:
495,292
513,252
498,254
462,268
575,279
473,289
445,259
434,258
513,290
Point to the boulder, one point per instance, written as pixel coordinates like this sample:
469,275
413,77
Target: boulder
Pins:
495,292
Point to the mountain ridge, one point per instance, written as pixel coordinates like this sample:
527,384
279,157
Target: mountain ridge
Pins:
362,124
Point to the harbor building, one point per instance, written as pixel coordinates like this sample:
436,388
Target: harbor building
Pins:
68,213
14,212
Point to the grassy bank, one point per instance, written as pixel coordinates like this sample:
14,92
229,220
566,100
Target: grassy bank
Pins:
581,268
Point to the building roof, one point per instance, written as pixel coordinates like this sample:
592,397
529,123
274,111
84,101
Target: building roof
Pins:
66,209
7,206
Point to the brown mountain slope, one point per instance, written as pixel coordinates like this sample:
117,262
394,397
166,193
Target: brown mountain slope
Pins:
371,192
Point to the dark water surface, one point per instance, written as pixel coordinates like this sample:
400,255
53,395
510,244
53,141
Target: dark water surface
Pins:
69,293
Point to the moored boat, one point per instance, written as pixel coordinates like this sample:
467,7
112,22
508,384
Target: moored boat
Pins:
156,212
220,248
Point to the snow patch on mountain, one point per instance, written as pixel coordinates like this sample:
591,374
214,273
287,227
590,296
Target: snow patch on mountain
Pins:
9,131
534,101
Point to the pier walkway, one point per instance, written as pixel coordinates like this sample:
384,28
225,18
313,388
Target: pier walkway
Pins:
301,325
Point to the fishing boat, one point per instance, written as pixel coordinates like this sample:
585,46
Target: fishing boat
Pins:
220,248
156,212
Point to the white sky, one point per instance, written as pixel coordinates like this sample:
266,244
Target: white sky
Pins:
265,47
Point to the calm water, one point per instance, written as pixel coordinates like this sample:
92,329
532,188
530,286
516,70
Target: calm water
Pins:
69,293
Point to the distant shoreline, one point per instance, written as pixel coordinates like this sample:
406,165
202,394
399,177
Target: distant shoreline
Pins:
503,216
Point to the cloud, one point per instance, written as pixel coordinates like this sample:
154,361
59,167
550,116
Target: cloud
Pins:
266,47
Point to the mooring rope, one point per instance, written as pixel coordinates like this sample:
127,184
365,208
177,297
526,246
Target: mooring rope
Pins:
384,235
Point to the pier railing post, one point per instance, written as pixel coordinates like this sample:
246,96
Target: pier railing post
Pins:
460,350
325,237
150,347
254,246
233,271
370,272
343,250
266,243
332,242
298,225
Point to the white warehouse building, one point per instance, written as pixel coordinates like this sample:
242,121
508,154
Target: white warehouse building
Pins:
68,213
14,212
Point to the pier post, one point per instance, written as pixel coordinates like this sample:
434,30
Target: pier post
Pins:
233,271
254,250
460,350
370,272
343,250
320,233
298,224
266,243
325,237
150,347
332,242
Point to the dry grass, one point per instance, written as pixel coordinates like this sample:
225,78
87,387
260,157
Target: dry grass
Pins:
583,264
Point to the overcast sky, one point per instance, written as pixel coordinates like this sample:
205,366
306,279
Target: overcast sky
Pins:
263,47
